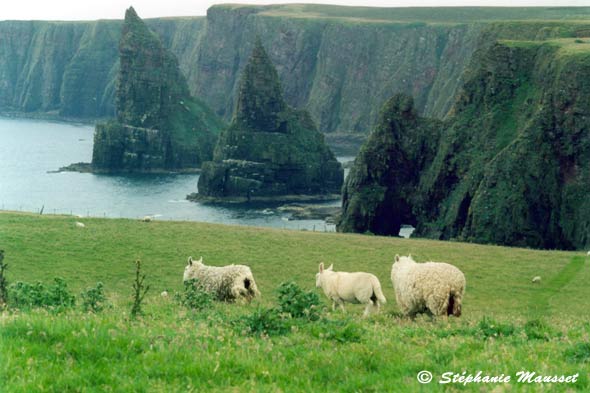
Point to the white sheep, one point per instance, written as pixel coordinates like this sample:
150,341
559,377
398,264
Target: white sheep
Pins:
356,287
147,219
536,280
80,224
227,283
431,286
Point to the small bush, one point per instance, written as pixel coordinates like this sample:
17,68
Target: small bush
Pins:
490,328
579,353
536,329
3,281
270,322
139,290
578,41
342,331
195,297
55,297
93,299
298,303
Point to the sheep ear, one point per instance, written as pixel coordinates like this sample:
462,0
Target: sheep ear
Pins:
190,260
322,267
397,257
200,260
331,267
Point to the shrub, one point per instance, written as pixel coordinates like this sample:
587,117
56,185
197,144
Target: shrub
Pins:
267,321
490,328
93,299
55,297
3,281
195,297
139,290
342,331
536,329
579,353
298,303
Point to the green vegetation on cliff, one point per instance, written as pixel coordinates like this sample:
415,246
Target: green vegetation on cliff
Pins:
159,126
270,149
340,63
379,191
512,166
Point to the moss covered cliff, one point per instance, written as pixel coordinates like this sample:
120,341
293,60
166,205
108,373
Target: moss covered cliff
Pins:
159,126
379,191
270,150
340,63
512,163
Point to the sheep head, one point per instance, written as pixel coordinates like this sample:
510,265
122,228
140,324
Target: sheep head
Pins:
322,271
190,269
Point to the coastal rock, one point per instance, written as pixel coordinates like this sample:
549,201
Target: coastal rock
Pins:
510,166
159,126
379,190
270,150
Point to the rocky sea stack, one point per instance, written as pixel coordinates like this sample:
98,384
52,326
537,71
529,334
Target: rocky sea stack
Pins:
270,151
159,126
379,190
510,166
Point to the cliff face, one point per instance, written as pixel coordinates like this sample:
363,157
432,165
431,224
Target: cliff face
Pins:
512,163
159,126
68,69
270,150
339,63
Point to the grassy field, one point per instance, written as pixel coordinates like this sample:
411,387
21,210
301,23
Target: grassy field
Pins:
509,324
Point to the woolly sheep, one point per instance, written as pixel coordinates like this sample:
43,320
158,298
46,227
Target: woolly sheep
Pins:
80,224
227,283
536,280
356,287
147,219
431,286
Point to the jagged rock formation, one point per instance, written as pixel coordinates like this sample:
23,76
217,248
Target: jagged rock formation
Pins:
513,163
341,63
270,150
380,188
159,126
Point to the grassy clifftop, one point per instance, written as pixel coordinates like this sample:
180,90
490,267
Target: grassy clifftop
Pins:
542,328
418,14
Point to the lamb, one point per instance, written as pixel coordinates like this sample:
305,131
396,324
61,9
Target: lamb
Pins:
226,283
80,224
536,280
431,286
356,287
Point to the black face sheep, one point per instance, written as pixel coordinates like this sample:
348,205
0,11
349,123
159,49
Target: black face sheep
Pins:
356,287
431,286
226,283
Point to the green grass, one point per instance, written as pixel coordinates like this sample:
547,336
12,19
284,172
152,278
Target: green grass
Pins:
421,14
509,324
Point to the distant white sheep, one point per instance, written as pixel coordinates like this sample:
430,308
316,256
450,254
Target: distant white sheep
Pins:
431,286
80,224
147,219
358,287
536,280
164,294
227,283
588,253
